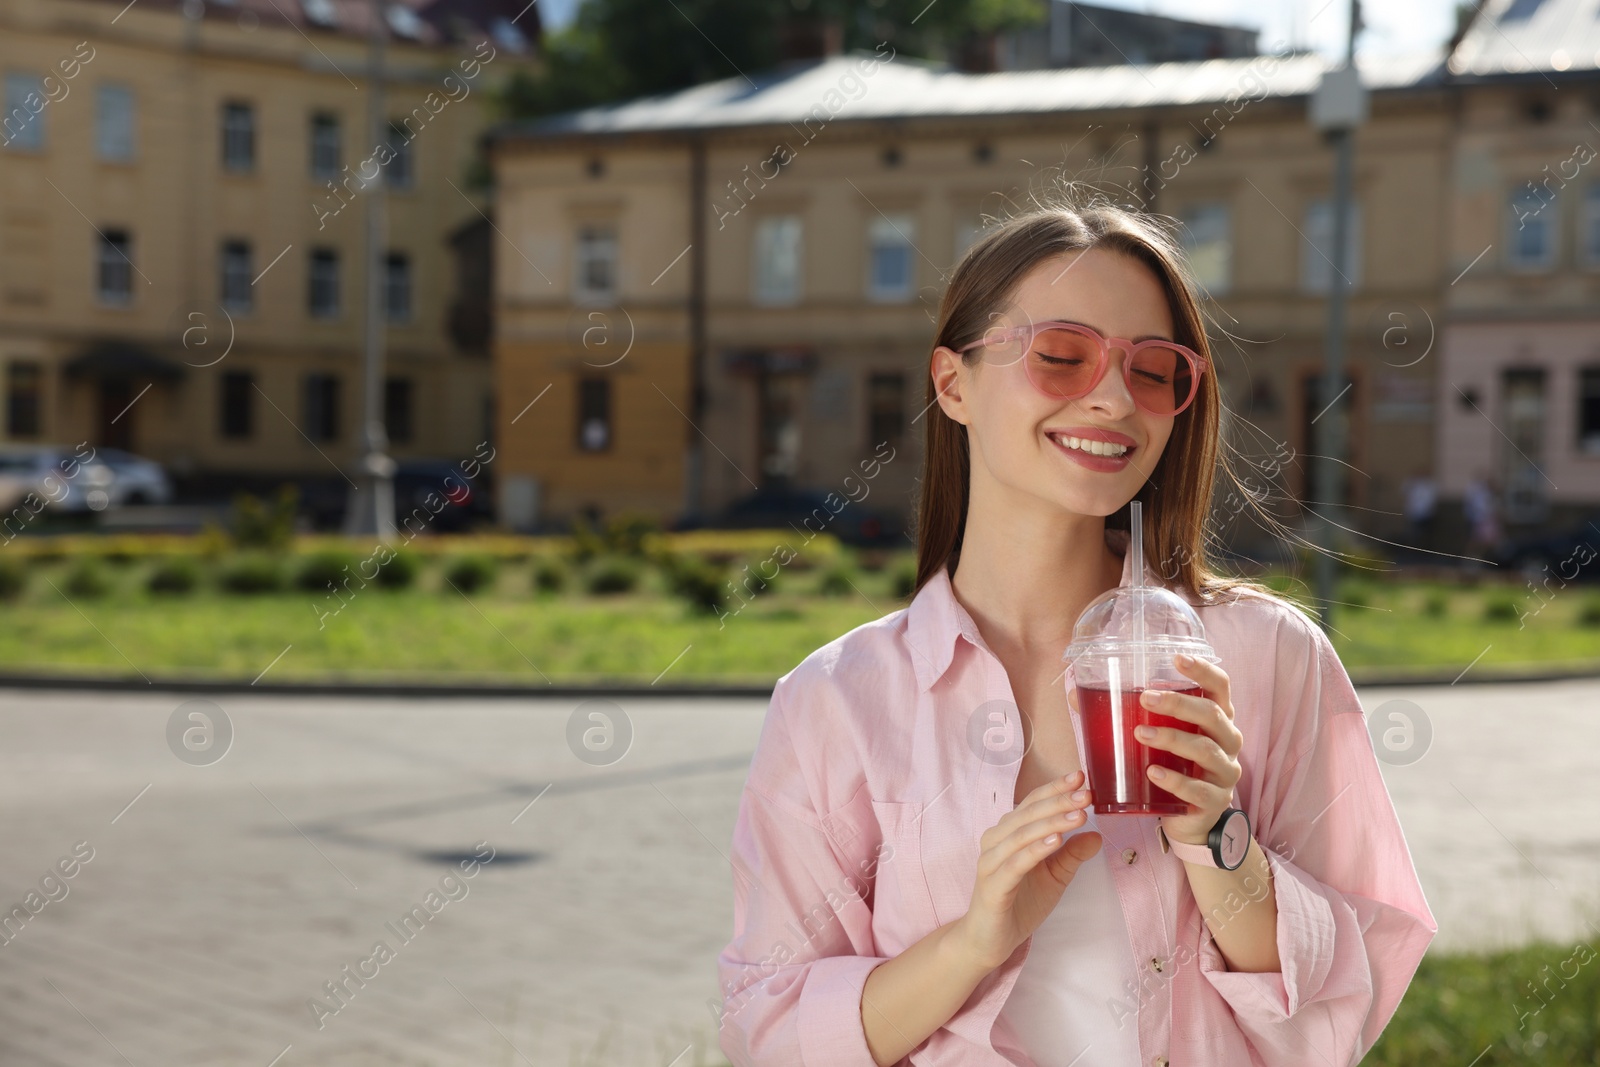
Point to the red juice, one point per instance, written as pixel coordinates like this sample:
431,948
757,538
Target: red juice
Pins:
1108,740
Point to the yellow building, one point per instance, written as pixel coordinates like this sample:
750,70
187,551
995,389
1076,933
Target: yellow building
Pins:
782,241
182,244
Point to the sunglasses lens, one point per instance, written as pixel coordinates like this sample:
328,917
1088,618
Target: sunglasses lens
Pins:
1161,379
1062,362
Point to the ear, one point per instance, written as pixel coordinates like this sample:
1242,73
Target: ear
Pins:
949,376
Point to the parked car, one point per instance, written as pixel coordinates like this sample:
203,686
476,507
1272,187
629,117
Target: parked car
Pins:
136,480
1571,555
466,499
782,508
67,479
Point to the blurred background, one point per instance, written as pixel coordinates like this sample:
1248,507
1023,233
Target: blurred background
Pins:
429,427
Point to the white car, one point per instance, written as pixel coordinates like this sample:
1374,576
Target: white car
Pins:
78,478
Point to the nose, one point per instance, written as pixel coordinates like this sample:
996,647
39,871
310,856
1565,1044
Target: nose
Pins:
1110,397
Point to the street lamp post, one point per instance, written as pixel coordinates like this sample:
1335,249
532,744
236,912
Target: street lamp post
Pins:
1338,108
371,506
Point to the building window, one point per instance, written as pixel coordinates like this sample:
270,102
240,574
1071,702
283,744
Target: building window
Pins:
238,294
397,287
1208,239
399,173
594,414
322,407
1589,410
886,409
1316,249
324,145
777,256
24,388
115,263
1531,229
23,125
322,299
597,264
114,123
397,409
238,137
236,404
1589,238
889,242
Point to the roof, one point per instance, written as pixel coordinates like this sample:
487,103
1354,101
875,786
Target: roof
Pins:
1530,36
510,24
908,88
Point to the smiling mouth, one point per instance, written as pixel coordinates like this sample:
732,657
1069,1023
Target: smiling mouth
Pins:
1088,447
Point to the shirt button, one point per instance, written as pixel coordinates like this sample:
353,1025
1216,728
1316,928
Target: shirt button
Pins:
1129,855
1155,964
1160,1061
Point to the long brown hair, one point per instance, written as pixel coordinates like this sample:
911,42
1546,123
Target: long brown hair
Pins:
1177,496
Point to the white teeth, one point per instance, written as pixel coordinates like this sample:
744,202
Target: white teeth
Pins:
1095,448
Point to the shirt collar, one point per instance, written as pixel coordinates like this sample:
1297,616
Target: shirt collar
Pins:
936,618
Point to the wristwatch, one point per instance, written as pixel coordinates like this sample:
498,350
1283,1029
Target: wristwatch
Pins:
1225,846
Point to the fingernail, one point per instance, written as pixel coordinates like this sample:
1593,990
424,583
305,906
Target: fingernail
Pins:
1143,732
1150,698
1184,659
1157,772
1082,794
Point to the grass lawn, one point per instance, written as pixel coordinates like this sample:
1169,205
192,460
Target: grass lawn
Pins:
1537,1005
508,633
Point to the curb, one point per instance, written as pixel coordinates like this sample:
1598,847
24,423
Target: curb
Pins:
425,690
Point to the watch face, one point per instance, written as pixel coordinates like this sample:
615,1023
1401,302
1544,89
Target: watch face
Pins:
1235,840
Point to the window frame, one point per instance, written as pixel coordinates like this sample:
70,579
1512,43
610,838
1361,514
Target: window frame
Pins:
604,238
120,266
765,287
322,121
323,254
885,233
235,135
103,92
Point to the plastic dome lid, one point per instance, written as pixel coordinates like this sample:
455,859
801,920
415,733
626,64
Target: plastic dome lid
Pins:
1109,625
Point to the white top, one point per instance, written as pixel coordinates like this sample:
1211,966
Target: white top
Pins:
1079,963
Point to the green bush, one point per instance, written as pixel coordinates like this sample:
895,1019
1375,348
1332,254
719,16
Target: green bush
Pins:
549,575
698,581
1436,605
1589,612
903,578
613,574
761,576
401,571
88,578
471,572
260,525
1356,593
176,575
328,567
1500,606
836,581
252,572
13,578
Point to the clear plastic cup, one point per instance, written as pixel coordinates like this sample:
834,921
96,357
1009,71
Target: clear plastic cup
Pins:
1111,666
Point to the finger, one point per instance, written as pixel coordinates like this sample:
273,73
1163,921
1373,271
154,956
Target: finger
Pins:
1003,866
1056,825
1204,795
1205,713
1198,747
1058,794
1064,862
1212,678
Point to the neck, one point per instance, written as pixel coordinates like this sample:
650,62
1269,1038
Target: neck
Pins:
1026,572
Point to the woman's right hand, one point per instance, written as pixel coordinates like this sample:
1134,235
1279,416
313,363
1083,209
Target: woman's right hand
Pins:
1024,867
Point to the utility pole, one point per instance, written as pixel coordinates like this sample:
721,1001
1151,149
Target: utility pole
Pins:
371,506
1338,108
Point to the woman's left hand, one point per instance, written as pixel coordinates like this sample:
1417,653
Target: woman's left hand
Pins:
1215,750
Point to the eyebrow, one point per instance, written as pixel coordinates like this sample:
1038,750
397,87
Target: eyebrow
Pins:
1102,333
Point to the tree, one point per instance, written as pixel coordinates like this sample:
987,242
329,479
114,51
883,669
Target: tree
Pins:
620,49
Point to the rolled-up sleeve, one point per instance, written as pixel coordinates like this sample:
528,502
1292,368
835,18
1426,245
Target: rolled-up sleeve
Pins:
802,942
1353,923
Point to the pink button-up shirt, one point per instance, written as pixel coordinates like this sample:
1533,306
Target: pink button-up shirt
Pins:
858,834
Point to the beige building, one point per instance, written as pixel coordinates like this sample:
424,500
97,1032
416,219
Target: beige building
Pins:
1519,397
182,251
783,244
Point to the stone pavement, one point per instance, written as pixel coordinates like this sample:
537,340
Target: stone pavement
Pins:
221,897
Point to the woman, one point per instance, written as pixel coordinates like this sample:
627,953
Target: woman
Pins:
903,887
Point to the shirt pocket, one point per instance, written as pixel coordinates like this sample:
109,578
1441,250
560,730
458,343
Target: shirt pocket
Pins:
902,908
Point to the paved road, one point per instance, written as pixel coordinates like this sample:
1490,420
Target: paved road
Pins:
224,898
